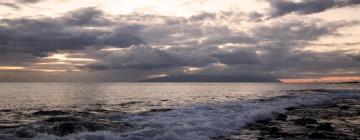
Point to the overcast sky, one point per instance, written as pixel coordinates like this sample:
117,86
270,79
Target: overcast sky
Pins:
123,40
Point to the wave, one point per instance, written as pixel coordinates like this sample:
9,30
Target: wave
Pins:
204,122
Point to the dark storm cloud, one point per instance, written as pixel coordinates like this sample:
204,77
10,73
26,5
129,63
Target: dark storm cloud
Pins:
239,56
41,36
10,5
355,57
297,30
147,58
85,17
276,44
122,36
137,57
153,45
311,63
283,7
18,3
203,16
17,59
28,1
237,37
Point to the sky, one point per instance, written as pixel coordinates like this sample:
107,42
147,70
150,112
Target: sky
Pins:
137,40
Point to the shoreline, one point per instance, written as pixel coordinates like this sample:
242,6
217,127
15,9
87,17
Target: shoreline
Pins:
339,120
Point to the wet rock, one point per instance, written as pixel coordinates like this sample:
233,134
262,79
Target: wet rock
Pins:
99,110
63,129
130,103
333,105
5,110
23,132
281,117
263,121
84,113
291,108
7,126
317,135
304,121
62,119
325,127
274,130
310,126
308,123
160,110
345,107
93,126
50,112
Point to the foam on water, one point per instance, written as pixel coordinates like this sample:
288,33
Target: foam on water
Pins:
206,121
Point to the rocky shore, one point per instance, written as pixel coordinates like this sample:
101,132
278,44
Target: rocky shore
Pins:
337,121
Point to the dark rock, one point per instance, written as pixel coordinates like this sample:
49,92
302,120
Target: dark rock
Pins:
325,127
62,119
84,113
291,108
333,105
9,126
317,135
23,132
50,112
130,103
64,129
264,128
311,126
5,110
99,110
89,126
284,134
160,110
274,130
281,117
345,107
264,121
304,121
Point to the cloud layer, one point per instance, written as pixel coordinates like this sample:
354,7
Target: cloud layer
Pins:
244,46
283,7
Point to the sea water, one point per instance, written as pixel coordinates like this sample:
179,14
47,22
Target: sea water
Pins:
101,111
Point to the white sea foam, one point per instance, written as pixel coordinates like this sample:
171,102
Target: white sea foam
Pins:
203,122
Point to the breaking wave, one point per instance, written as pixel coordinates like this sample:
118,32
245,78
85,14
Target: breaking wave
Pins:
206,121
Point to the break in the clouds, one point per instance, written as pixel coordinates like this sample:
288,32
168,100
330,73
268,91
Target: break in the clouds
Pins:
233,45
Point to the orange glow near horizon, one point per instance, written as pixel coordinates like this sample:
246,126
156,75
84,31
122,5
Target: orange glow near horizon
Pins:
64,57
18,68
330,79
11,68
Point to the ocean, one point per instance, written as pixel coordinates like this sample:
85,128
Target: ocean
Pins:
162,111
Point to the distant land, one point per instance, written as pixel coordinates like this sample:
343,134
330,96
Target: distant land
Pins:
210,78
351,82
